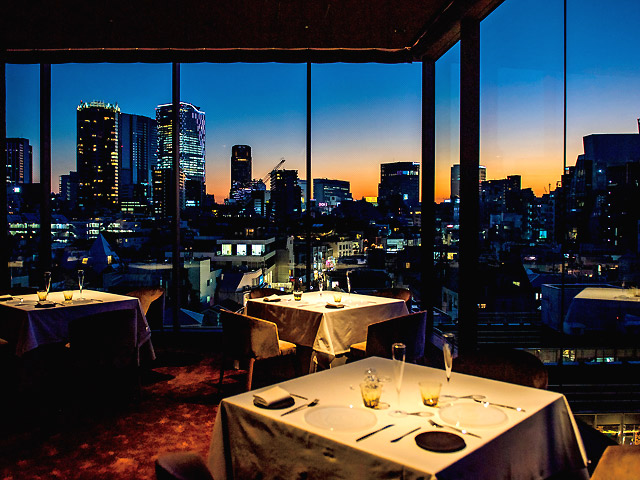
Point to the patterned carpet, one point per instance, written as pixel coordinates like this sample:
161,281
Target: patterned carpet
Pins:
98,440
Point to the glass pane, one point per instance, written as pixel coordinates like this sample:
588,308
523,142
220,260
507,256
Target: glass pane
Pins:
23,173
366,129
103,149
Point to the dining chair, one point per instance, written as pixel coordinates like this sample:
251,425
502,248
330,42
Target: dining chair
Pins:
181,466
408,329
246,338
399,293
618,462
152,300
504,364
264,292
104,352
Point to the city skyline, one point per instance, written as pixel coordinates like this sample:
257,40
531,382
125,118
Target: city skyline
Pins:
367,114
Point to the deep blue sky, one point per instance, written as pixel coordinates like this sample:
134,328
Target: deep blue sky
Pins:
367,114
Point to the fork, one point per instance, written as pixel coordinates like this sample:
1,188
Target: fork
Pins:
459,430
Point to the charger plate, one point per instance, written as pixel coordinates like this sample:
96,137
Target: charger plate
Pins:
472,415
339,418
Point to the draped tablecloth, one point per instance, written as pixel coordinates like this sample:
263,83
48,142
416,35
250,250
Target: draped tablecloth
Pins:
27,326
250,443
329,331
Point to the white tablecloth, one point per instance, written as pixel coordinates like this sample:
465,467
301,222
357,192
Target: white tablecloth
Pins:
327,330
27,326
603,309
249,442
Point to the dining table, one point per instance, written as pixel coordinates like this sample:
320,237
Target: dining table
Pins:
317,321
27,323
481,429
598,309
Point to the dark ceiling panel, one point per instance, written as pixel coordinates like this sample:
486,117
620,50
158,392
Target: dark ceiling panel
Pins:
234,30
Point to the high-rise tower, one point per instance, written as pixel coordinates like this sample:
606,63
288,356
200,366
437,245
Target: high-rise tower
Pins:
98,163
192,149
240,172
138,158
19,161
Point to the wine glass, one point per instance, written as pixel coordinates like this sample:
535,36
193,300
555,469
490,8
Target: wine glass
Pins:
320,283
348,284
47,281
448,347
398,354
80,281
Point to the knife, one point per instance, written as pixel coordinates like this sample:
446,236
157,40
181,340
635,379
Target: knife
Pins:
374,432
310,404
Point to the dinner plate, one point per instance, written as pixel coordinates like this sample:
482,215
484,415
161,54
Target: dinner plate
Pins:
472,415
340,418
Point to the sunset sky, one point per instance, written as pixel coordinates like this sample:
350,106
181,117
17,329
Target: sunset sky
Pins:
364,115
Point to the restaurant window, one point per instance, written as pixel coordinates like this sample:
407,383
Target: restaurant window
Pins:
23,174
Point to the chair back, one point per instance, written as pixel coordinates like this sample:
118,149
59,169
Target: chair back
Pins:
399,293
264,292
146,295
408,329
619,462
181,466
504,364
248,337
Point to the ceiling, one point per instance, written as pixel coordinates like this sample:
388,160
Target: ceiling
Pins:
318,31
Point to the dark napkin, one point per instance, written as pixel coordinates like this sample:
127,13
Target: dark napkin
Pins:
440,441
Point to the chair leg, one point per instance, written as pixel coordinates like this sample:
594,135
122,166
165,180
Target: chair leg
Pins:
252,361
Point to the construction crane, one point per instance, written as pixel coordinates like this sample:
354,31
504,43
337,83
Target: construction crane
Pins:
268,175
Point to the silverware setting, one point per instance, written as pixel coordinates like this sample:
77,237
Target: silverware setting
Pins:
374,432
459,430
298,396
485,403
312,403
402,436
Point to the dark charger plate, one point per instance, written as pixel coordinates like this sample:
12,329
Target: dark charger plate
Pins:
440,441
286,403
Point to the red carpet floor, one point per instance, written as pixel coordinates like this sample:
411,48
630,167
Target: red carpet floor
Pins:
176,412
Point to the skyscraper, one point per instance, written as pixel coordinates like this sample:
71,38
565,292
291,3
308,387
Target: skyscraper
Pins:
400,179
240,172
138,158
455,178
192,148
19,161
98,162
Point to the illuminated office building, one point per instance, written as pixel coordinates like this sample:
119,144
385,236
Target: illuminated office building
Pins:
192,148
19,161
285,195
98,162
138,158
400,179
330,193
240,172
455,178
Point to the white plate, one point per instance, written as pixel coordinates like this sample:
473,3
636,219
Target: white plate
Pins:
472,415
340,419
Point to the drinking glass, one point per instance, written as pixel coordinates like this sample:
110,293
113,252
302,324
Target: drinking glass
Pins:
320,283
47,281
448,347
398,354
80,281
348,285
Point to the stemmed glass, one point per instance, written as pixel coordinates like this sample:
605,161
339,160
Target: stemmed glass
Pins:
80,281
47,281
448,348
398,354
320,282
348,285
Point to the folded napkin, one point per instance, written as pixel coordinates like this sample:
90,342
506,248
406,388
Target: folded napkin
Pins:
272,298
334,305
271,396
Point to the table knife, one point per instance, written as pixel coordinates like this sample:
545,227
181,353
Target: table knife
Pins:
374,432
